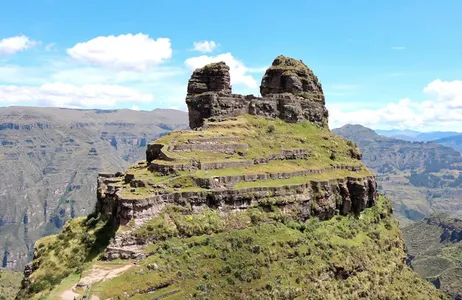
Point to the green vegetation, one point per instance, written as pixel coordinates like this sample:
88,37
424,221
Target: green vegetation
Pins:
435,250
266,251
9,284
265,139
266,257
256,253
59,256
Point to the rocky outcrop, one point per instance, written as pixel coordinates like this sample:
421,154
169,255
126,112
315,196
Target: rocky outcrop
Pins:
288,75
211,78
315,198
289,88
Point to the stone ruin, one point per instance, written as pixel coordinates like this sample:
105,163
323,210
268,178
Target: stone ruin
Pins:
290,91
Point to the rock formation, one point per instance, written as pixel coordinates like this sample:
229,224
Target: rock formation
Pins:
249,162
219,164
289,88
212,78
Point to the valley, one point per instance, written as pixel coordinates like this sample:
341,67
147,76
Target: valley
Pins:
50,158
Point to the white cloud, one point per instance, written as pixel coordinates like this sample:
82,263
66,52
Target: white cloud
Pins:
443,112
239,72
398,48
67,95
12,45
135,107
205,46
50,47
91,75
124,52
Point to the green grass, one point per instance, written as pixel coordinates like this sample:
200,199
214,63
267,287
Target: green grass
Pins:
275,259
9,283
265,138
59,256
262,141
325,176
66,283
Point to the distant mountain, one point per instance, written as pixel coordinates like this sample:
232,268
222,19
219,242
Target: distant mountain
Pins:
454,142
398,132
417,136
49,161
420,177
432,136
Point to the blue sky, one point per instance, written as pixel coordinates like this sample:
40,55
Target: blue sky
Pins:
383,64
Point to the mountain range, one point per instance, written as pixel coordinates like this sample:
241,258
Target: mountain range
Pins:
420,177
416,136
49,161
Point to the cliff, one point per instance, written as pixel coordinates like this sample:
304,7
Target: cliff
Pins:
260,200
50,159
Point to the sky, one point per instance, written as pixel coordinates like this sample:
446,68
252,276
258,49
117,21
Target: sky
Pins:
382,64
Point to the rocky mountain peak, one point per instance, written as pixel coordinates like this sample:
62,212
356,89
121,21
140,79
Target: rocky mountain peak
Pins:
213,77
288,75
290,90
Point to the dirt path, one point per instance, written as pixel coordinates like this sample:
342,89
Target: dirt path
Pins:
97,273
69,295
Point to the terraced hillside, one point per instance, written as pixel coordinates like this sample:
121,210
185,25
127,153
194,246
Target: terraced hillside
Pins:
260,200
435,251
256,166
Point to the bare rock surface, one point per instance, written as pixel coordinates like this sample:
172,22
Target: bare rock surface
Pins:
289,88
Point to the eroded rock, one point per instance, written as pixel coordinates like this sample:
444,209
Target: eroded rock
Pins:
289,88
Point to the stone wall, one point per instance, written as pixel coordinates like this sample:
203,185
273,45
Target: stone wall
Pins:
155,152
343,195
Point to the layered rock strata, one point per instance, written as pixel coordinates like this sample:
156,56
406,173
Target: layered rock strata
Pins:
246,152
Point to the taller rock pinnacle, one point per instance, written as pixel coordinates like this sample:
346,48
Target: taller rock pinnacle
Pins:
288,75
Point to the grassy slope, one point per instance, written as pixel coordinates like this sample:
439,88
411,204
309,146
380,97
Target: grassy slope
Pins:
9,284
264,138
435,258
263,255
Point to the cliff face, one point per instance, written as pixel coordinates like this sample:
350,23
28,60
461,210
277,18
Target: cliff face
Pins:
240,196
50,159
289,88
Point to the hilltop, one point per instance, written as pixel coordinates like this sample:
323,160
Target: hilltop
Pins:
259,200
50,159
